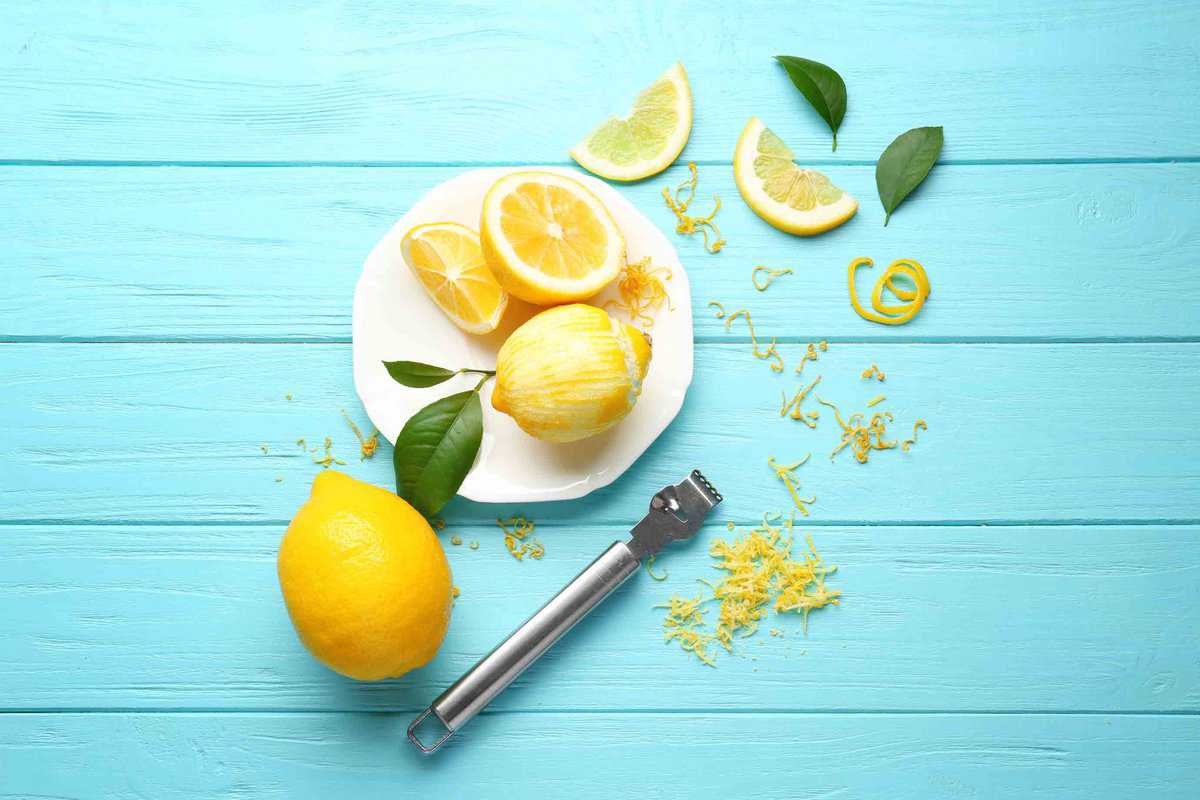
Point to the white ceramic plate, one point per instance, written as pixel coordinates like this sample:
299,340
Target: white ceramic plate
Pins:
394,319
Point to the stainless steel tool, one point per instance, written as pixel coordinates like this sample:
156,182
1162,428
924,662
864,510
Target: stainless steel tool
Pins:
676,512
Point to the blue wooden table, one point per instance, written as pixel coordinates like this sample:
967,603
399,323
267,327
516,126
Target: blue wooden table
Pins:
187,191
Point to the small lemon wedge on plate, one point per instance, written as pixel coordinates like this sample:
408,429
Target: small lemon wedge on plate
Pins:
447,260
793,199
548,238
648,139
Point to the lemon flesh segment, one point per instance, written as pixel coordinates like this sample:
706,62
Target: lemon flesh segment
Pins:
570,372
548,239
447,260
648,139
365,580
793,199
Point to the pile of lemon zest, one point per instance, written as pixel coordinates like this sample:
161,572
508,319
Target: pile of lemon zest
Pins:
516,530
264,448
787,474
792,407
368,445
809,355
772,274
474,545
907,443
641,290
650,569
688,225
684,623
770,353
874,401
328,460
875,372
913,299
860,435
456,540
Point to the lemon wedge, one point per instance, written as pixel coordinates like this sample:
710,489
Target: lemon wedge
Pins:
447,260
648,139
793,199
548,238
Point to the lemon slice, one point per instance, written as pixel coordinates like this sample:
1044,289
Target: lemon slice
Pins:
648,139
448,262
793,199
548,239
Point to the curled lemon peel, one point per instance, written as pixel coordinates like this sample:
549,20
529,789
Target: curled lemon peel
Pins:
720,312
810,355
640,289
772,274
516,531
787,474
884,313
456,540
688,225
770,354
792,407
860,435
650,569
875,372
874,401
908,443
367,445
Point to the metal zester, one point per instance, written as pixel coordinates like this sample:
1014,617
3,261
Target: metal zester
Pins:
676,513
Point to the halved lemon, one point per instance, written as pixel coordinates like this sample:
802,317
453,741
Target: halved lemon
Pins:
447,260
648,139
793,199
548,238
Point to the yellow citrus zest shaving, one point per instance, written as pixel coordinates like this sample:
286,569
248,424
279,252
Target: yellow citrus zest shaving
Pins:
641,290
770,353
454,592
688,225
907,443
279,479
303,444
874,401
288,397
886,314
474,545
875,372
787,474
860,436
720,309
810,355
772,274
650,569
328,460
456,540
264,448
761,574
792,407
368,445
516,529
684,623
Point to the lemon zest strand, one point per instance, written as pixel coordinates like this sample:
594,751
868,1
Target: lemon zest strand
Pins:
874,401
772,274
908,443
517,529
684,623
369,444
886,314
809,355
875,372
787,474
770,353
328,460
650,569
859,435
792,407
641,290
720,313
688,225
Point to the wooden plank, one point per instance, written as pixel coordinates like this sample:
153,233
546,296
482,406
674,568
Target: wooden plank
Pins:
957,619
771,756
1076,251
1017,432
426,81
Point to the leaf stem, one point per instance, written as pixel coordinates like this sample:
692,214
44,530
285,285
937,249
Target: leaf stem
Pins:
835,141
487,374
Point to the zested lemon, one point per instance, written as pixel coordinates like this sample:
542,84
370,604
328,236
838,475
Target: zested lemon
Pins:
648,139
548,238
793,199
570,372
365,580
446,258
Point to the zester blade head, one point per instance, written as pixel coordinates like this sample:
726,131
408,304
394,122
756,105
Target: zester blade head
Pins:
676,512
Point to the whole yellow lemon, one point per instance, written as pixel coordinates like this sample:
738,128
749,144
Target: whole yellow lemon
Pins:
570,372
365,580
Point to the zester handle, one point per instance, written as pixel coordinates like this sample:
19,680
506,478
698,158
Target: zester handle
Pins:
461,702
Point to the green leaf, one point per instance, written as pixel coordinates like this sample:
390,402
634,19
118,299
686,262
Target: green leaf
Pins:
821,86
904,164
436,449
416,374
